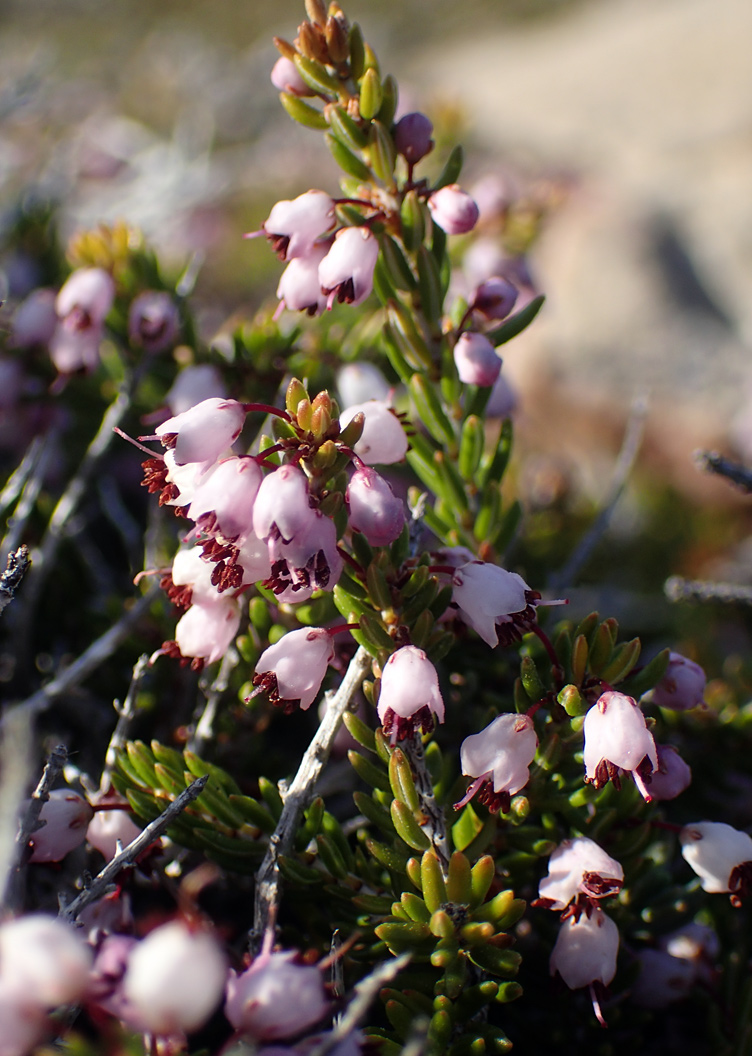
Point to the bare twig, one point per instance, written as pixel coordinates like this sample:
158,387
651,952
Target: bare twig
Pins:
126,713
204,731
435,826
735,472
17,480
29,486
57,759
99,651
98,886
622,470
15,570
15,769
679,589
300,794
364,995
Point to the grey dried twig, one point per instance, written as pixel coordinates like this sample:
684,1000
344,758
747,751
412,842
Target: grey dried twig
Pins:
435,826
126,713
679,589
16,568
57,759
734,472
99,651
300,794
98,886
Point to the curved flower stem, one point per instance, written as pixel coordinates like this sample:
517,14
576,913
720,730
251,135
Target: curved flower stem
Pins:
300,794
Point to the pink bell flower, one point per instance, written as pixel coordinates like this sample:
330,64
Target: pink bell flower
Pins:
310,561
580,872
34,320
89,292
357,382
681,687
276,998
282,507
175,978
412,137
616,738
410,694
204,432
721,856
45,961
291,671
673,775
585,950
299,288
66,815
374,509
223,501
206,631
153,321
195,383
498,759
346,272
22,1023
476,360
492,601
383,441
190,579
108,828
294,227
453,210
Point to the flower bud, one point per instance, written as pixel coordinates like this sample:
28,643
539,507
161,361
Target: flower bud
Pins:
673,775
153,321
175,978
108,828
275,998
412,137
285,78
585,950
346,272
453,210
45,961
374,508
66,815
495,298
681,687
291,671
476,360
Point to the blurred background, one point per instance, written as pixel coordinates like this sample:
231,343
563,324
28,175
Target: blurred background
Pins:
622,130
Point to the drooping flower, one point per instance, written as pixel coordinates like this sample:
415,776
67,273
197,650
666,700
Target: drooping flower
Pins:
410,694
310,561
82,306
662,979
294,227
299,288
346,272
681,687
204,633
66,815
108,828
616,738
34,320
498,759
275,998
497,604
204,432
585,950
222,504
579,873
673,775
357,382
721,856
291,671
384,440
195,383
282,506
476,360
175,978
374,509
453,210
153,321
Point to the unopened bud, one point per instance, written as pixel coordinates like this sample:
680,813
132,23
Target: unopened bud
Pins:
321,420
303,414
311,42
337,38
285,48
316,11
296,391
